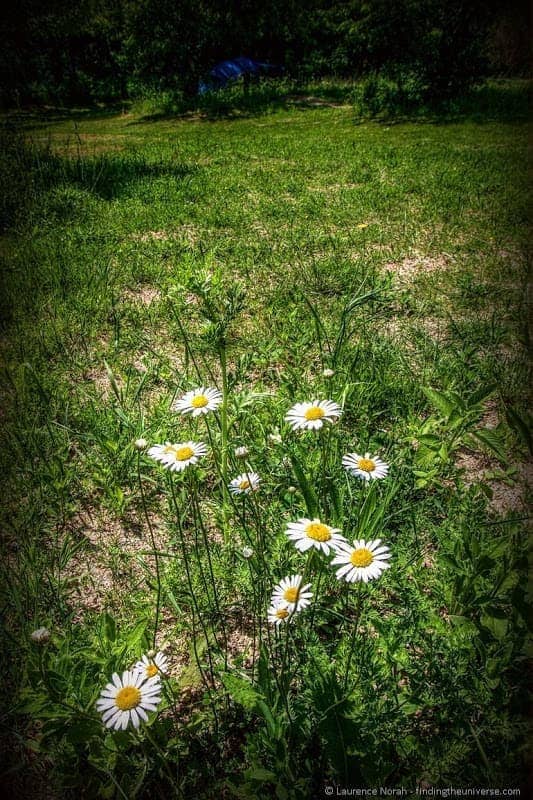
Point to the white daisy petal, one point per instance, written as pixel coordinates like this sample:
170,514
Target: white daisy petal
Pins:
365,467
150,669
198,402
103,705
313,415
361,562
178,457
307,533
292,594
280,614
133,696
245,483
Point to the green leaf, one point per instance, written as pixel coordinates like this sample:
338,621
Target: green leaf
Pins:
272,726
281,792
441,401
430,440
82,730
497,626
481,394
520,427
136,635
260,774
451,562
311,501
466,625
492,438
241,690
109,627
112,380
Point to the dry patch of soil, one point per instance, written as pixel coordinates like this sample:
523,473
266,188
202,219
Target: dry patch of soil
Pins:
409,268
112,561
479,467
145,295
189,233
506,497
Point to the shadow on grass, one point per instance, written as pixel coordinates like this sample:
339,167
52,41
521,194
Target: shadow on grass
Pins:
28,171
109,175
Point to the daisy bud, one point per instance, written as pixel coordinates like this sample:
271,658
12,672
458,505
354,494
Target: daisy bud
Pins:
275,438
247,552
151,653
41,635
292,489
241,452
140,444
328,373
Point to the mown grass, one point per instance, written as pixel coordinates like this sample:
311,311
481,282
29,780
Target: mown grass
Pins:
113,218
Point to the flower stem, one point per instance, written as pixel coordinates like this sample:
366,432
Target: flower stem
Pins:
154,547
224,441
354,634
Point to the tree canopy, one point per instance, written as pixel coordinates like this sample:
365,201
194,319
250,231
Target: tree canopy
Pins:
59,51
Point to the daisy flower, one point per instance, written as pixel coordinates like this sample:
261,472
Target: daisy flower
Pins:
177,457
311,416
291,593
152,666
245,483
198,401
127,699
41,635
362,562
277,615
365,467
307,533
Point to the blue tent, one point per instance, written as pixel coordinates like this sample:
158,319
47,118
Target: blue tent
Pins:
227,71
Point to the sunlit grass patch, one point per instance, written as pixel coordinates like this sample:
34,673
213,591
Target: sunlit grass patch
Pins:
324,291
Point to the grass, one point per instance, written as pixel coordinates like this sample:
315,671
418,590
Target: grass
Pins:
412,239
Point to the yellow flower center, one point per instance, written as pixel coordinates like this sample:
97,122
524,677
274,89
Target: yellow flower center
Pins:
282,613
128,697
366,464
291,594
200,401
183,453
315,412
361,557
318,532
245,484
151,670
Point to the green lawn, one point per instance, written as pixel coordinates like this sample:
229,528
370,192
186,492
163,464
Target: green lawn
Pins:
404,242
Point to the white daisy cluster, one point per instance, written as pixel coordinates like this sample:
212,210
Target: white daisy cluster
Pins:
129,697
288,597
362,561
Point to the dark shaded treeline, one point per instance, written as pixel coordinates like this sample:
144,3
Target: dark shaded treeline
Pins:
57,51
